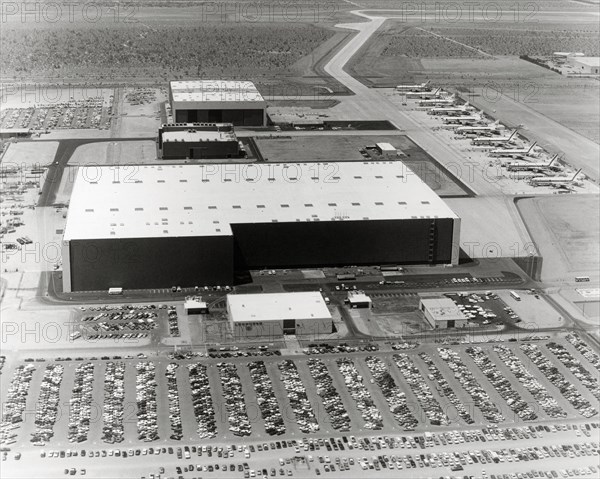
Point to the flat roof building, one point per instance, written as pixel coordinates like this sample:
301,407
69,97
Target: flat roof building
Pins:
237,102
358,299
198,140
195,305
442,312
277,314
385,148
193,225
585,64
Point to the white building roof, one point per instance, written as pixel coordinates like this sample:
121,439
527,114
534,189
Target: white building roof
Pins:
194,303
215,91
443,309
198,135
386,147
589,61
204,200
276,306
358,297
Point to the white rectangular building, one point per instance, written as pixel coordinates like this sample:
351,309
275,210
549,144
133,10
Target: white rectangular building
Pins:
277,314
442,313
217,101
589,65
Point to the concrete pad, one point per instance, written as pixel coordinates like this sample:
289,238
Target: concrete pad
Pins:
491,227
567,232
30,154
533,311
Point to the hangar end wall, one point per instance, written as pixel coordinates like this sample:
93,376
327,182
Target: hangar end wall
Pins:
141,263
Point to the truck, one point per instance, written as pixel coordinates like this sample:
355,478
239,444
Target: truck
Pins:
515,295
113,291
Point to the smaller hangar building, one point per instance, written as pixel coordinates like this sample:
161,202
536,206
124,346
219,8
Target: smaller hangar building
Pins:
277,314
217,101
197,141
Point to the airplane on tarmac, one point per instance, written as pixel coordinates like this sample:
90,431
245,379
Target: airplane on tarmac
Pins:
450,110
495,140
413,88
480,130
424,95
449,100
464,119
524,166
556,182
513,152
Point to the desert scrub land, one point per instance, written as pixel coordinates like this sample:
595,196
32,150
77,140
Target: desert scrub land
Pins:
441,42
161,52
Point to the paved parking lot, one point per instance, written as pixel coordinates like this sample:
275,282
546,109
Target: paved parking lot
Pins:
127,400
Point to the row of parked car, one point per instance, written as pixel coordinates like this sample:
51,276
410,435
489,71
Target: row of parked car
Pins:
80,404
103,326
429,404
470,384
47,407
174,408
296,392
443,389
93,337
530,382
338,415
113,408
338,348
239,423
394,396
364,402
567,388
145,396
202,401
243,354
584,349
501,383
267,403
576,368
14,405
173,323
124,307
123,315
404,346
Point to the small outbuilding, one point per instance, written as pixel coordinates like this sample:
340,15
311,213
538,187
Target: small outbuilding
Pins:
442,313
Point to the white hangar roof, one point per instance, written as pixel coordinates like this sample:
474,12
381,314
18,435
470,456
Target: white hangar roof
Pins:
215,91
144,201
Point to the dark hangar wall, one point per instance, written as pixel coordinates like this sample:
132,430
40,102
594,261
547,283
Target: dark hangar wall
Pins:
143,263
172,150
330,243
254,117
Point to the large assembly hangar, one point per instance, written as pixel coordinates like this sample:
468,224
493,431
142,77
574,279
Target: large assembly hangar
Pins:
276,314
195,225
215,101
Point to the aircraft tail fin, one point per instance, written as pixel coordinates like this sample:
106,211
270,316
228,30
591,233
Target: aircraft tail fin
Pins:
532,147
